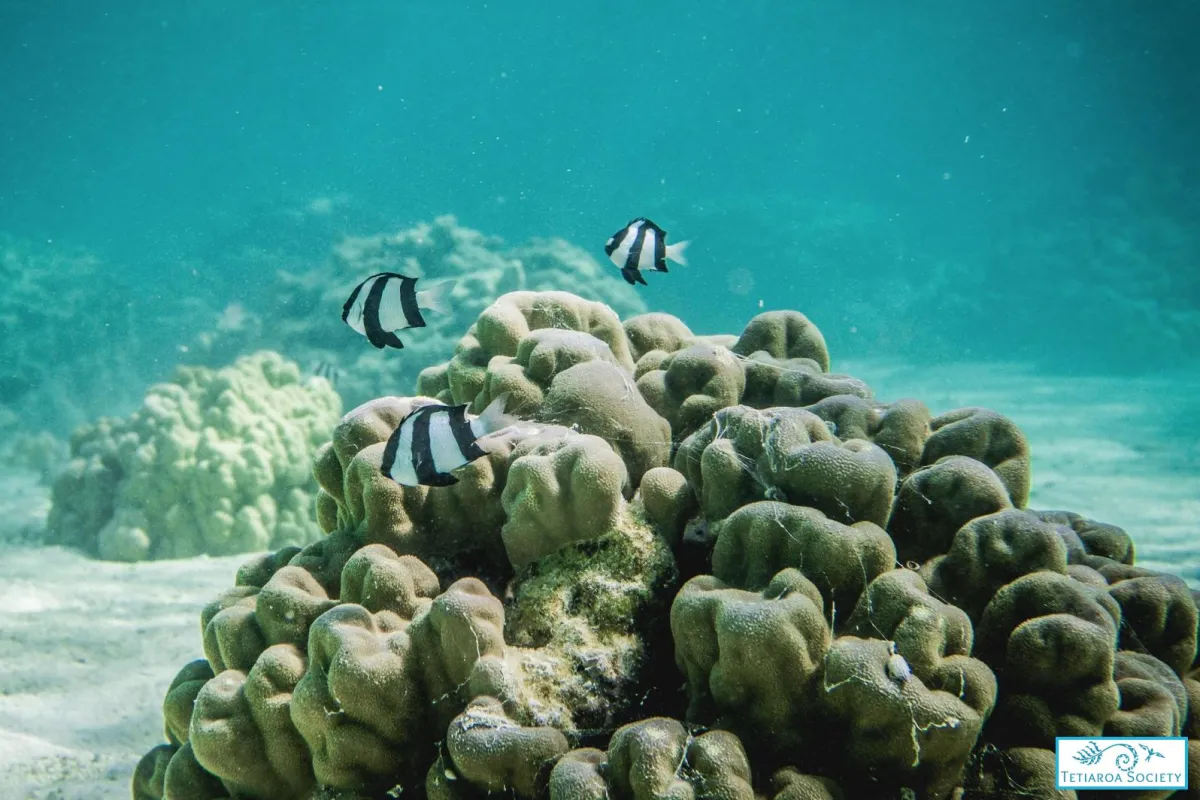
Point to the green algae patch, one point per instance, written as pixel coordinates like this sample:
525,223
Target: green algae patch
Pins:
580,619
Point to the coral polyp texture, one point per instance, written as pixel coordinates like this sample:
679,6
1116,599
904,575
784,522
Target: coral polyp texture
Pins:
214,462
696,567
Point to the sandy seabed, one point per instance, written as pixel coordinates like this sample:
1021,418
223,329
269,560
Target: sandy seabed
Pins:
88,649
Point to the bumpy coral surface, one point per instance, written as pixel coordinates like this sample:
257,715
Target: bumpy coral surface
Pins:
698,567
215,462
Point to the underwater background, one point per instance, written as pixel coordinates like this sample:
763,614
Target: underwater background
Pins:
977,204
1023,173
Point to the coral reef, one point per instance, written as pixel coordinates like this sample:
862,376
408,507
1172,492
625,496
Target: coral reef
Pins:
215,462
300,315
82,341
698,567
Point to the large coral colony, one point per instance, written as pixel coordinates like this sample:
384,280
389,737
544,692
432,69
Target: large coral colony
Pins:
701,567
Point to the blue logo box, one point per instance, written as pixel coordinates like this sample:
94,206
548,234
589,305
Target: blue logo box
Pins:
1120,762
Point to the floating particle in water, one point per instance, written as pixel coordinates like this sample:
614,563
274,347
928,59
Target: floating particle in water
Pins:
740,281
233,318
321,206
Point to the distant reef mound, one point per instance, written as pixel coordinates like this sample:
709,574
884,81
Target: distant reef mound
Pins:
84,337
299,314
699,567
214,462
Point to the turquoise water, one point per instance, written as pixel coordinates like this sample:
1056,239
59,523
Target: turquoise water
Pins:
1001,181
977,204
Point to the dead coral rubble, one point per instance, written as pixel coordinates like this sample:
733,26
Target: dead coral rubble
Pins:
876,613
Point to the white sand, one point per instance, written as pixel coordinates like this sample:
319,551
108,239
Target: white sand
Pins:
87,649
1124,451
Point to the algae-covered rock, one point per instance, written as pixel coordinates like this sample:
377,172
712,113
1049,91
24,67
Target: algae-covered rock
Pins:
695,567
588,626
214,462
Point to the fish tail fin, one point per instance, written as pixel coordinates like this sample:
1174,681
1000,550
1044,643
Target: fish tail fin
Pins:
437,297
675,252
494,417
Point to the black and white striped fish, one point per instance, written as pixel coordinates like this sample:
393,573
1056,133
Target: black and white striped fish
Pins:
328,371
642,245
387,302
434,440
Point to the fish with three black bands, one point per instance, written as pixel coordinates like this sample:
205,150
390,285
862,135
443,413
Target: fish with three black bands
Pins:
434,440
642,245
327,370
387,302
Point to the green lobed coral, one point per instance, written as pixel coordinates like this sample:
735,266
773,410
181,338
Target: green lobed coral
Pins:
698,567
214,462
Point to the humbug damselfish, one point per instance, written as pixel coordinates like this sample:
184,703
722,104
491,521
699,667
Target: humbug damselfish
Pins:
642,245
387,302
435,439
